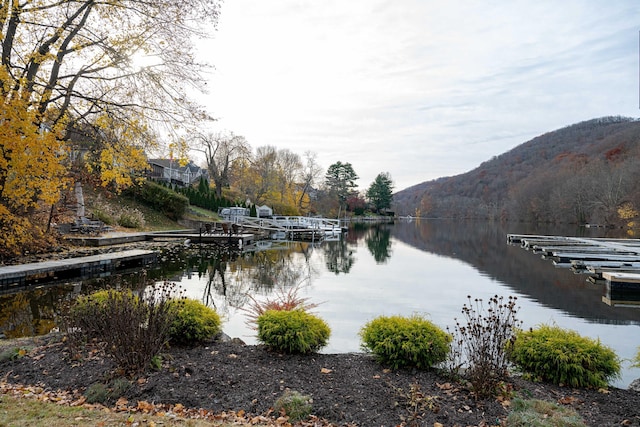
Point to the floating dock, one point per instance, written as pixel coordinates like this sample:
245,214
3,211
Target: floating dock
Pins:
614,262
225,240
584,255
623,289
193,236
16,277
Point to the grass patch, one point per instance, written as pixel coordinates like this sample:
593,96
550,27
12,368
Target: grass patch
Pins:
27,412
30,412
294,405
540,413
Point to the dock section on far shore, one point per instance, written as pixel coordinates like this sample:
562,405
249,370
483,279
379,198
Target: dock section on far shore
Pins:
614,262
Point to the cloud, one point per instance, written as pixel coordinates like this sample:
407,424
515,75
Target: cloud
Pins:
418,89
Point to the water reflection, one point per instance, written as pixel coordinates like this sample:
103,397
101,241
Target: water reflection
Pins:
379,243
225,279
339,256
424,266
483,245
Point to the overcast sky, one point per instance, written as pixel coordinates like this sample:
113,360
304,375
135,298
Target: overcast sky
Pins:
418,88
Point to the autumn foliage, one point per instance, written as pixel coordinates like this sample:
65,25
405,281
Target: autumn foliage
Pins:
74,95
31,172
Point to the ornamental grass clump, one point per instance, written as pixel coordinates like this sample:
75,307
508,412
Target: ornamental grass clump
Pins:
294,405
193,323
540,413
560,356
284,300
635,362
399,341
292,331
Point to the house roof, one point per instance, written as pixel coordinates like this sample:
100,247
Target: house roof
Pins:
174,164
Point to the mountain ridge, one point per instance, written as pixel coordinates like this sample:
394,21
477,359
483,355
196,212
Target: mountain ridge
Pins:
548,178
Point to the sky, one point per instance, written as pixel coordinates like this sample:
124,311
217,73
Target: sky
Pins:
420,89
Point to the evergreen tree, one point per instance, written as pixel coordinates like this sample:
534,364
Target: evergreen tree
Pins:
340,179
380,192
203,185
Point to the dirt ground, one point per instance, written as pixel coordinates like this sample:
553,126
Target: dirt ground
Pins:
347,389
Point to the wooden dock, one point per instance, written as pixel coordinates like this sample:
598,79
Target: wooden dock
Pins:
584,255
16,277
622,289
614,262
192,236
227,240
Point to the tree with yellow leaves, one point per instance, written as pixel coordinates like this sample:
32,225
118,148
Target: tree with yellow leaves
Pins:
31,171
120,67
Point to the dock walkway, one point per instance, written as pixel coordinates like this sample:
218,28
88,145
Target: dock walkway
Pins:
194,236
616,262
580,253
25,275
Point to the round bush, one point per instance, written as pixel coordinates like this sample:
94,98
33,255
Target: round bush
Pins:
399,341
96,302
194,322
561,356
97,297
292,331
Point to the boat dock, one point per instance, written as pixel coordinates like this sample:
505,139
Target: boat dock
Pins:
240,232
616,262
584,255
238,240
22,276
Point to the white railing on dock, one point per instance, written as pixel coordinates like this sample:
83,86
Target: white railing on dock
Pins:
290,223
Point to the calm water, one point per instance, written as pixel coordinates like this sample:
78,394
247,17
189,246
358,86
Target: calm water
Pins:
426,267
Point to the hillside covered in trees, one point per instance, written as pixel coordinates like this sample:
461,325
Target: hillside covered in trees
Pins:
584,173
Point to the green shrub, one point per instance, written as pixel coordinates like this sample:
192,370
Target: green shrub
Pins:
399,341
13,354
97,393
540,413
194,322
86,307
294,331
294,405
286,299
163,199
561,356
101,297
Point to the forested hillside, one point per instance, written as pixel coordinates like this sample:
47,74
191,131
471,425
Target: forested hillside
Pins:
583,173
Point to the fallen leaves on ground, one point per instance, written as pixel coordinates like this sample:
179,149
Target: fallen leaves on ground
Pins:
240,418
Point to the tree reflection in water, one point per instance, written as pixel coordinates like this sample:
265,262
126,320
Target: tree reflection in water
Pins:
224,279
379,242
230,278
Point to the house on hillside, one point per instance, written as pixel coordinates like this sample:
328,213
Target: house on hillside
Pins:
171,171
264,211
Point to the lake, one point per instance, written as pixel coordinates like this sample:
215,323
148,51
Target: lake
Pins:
427,267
